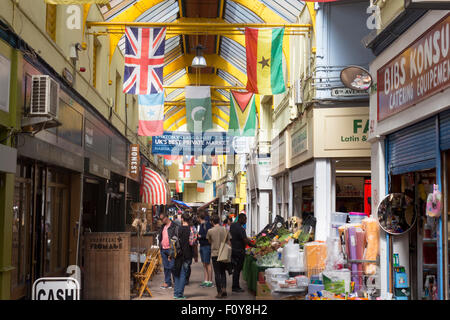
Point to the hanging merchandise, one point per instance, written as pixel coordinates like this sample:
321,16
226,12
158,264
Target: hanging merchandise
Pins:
434,203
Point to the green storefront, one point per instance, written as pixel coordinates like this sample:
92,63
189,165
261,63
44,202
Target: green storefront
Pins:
10,88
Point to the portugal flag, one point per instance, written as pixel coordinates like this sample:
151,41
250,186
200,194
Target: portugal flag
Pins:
264,50
242,114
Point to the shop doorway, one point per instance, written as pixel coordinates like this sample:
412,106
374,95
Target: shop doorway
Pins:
303,193
423,259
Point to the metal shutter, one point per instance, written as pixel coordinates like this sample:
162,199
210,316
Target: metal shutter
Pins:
413,148
444,130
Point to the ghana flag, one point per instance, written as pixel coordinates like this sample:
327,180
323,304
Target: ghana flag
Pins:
264,50
242,114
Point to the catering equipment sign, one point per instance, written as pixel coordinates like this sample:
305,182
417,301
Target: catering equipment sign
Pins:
420,71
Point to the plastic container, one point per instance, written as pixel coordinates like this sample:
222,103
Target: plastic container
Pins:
357,217
339,217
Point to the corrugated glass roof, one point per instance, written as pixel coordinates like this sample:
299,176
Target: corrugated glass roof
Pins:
228,77
174,76
237,13
234,53
174,94
289,10
224,92
166,11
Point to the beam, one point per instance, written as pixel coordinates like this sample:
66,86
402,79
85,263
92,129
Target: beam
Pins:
211,26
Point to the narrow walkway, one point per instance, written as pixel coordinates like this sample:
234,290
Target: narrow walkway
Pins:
193,291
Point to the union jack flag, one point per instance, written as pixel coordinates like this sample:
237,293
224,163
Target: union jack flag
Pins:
144,60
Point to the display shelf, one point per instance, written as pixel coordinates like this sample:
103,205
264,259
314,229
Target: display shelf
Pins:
429,265
432,240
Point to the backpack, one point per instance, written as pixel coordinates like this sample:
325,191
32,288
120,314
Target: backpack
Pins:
175,246
193,236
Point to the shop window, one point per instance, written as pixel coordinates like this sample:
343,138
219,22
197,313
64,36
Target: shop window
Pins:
350,194
51,21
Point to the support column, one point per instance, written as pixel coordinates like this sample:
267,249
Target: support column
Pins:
322,197
378,168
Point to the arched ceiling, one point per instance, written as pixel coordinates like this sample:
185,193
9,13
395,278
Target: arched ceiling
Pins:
225,54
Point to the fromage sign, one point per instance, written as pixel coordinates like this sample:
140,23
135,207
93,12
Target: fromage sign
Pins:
420,71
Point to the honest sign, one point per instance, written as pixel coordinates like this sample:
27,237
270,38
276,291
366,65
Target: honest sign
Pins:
420,71
56,289
133,161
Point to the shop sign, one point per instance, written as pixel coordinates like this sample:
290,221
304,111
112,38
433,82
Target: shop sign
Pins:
428,4
5,77
105,243
133,161
299,141
346,132
347,92
420,71
241,145
56,289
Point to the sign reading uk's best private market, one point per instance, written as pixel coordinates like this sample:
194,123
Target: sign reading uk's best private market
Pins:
420,71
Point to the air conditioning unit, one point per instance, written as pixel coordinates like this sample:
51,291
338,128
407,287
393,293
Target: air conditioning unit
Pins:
44,96
298,92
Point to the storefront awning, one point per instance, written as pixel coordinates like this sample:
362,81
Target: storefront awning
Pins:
207,204
155,189
181,203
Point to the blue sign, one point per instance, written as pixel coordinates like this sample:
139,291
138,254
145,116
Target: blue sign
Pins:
187,143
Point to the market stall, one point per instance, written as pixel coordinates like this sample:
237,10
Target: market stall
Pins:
286,262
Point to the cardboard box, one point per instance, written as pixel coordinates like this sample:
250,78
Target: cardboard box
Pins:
263,291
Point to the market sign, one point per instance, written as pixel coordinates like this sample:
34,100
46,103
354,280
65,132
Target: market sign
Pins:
421,70
56,289
187,143
133,161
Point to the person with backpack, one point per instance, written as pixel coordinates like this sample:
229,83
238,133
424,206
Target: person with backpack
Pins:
205,249
183,257
216,236
166,233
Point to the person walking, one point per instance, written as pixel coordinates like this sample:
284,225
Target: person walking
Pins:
205,249
193,242
168,231
183,258
216,236
238,242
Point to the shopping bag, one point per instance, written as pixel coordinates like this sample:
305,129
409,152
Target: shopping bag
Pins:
224,251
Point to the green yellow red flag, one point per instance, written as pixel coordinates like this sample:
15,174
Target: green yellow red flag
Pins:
264,51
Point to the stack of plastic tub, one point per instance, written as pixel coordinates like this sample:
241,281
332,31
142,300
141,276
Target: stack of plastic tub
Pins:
337,219
357,217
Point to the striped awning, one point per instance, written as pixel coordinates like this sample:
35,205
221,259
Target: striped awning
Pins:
154,187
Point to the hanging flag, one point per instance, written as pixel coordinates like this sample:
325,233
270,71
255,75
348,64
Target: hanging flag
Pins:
264,51
212,160
242,114
198,108
151,114
189,160
214,189
200,186
153,187
179,185
168,163
144,60
184,171
206,172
